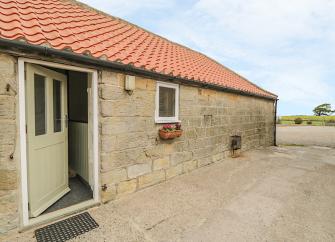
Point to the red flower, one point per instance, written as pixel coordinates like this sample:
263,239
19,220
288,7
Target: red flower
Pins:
178,126
167,127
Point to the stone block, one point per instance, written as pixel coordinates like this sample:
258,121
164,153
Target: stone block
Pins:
108,143
132,140
127,187
179,157
117,108
161,163
204,161
114,176
123,158
218,154
109,92
109,194
179,146
143,103
188,94
7,74
8,179
112,78
8,132
174,171
157,151
190,165
145,84
120,125
8,221
202,152
7,107
8,202
151,178
141,83
138,170
5,162
190,133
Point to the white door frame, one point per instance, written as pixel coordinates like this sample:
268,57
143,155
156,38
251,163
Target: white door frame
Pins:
23,139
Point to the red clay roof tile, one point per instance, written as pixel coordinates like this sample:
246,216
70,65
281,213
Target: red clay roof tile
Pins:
69,25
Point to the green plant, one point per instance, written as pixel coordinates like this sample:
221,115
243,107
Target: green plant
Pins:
298,121
309,122
323,110
331,121
168,128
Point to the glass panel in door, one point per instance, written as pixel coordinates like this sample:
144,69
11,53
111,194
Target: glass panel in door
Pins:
57,106
40,105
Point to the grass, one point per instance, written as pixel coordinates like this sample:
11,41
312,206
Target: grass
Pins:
316,120
306,118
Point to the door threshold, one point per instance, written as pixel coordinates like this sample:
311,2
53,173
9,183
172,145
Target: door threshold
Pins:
59,214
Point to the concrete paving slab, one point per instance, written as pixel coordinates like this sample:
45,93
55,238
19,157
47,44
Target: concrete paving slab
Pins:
272,194
306,135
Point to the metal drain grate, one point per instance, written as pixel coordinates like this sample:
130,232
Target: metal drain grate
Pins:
66,229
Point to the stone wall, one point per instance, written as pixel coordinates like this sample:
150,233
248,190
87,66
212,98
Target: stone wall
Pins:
9,217
132,155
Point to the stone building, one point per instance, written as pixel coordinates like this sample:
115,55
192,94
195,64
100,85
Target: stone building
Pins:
82,98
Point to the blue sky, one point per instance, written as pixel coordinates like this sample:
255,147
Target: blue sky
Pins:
285,46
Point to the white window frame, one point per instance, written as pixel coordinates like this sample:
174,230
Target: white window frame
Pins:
174,119
25,221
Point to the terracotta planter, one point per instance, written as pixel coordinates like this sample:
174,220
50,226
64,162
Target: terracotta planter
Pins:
178,133
166,134
170,134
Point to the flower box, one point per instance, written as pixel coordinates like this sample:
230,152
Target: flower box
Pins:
170,132
166,134
178,133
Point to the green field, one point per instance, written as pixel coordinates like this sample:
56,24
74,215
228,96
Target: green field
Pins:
316,120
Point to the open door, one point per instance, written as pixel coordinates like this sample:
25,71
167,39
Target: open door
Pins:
47,135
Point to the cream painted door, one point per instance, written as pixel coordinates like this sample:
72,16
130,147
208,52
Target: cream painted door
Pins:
47,133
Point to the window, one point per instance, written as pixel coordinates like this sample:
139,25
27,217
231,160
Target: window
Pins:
40,105
57,106
167,103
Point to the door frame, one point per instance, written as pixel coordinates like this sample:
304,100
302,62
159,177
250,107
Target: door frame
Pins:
25,220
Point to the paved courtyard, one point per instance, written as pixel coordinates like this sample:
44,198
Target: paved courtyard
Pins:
273,194
306,135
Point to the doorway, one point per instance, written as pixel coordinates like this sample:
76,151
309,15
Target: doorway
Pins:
61,139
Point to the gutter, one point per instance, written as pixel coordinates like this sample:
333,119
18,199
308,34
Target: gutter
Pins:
25,47
275,124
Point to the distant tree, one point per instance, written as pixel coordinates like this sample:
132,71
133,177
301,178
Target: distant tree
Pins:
323,110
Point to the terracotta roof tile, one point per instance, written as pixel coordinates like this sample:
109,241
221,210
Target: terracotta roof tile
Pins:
69,25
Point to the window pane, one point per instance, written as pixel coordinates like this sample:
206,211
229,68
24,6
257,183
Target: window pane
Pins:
167,97
40,109
57,106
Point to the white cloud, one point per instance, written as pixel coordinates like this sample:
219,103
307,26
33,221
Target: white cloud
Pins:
269,21
285,46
